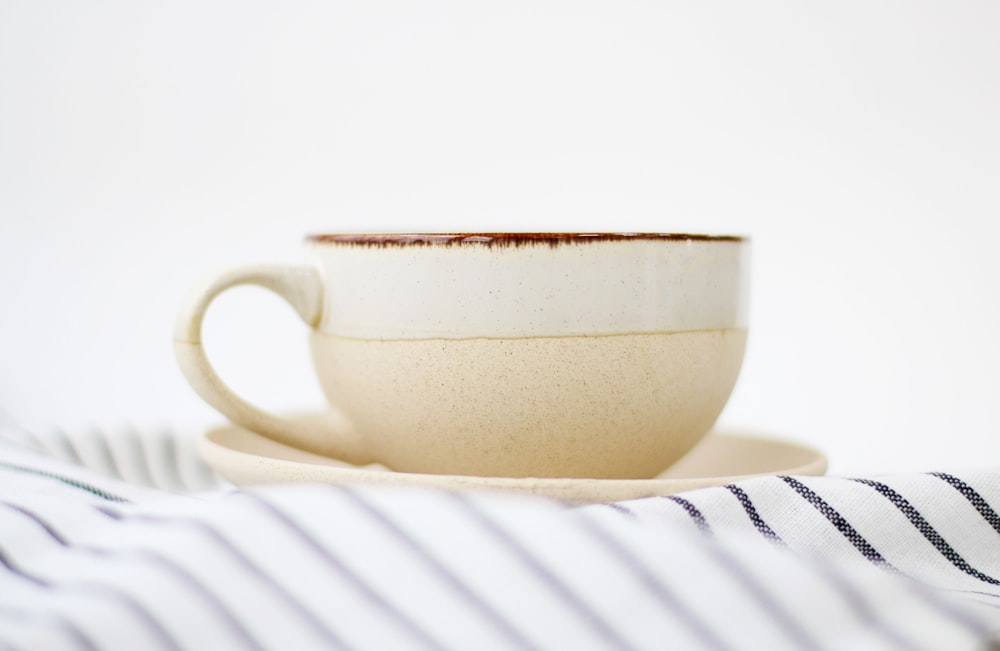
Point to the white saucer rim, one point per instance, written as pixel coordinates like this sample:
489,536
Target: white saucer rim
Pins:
220,456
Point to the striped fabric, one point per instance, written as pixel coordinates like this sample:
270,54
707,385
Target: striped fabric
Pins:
124,540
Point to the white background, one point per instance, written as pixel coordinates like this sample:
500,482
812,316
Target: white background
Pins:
145,144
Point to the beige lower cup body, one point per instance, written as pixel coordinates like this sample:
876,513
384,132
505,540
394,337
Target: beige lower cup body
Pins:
519,355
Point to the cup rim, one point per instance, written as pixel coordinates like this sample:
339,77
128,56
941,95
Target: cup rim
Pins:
507,239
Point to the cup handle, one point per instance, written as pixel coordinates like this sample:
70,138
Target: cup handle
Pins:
302,288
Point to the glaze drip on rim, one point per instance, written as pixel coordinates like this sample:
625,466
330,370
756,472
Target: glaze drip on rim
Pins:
504,239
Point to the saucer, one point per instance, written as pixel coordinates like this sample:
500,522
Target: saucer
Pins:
247,459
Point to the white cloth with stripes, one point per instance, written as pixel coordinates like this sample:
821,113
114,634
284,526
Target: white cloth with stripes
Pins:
124,540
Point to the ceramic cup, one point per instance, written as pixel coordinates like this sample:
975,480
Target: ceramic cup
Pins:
503,354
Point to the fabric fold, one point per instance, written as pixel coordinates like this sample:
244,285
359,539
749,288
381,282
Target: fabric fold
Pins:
123,539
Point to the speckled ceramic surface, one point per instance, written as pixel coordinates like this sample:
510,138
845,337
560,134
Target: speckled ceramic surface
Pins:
504,354
505,285
244,458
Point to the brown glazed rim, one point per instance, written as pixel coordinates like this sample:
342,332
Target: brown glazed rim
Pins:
505,239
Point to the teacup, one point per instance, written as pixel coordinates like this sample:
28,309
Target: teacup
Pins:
604,355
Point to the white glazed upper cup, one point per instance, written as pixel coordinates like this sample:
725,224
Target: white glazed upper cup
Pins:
514,354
